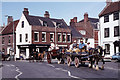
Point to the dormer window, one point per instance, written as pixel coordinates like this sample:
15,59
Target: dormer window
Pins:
83,32
45,23
22,24
41,22
58,25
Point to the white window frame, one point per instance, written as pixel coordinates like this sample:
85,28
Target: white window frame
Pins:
38,37
45,36
65,37
41,22
83,32
26,39
70,38
53,37
20,38
60,37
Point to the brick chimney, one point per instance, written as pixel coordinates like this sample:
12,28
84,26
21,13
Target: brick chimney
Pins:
85,17
108,2
26,12
47,15
10,19
75,19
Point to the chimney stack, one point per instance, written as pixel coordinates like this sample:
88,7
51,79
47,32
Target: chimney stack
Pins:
75,19
108,2
85,17
47,15
26,12
9,20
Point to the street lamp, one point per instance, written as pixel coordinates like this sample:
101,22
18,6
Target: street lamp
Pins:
13,38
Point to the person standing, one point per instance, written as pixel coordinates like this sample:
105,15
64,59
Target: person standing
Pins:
88,46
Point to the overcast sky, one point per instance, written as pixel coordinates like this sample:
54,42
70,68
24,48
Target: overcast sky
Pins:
60,10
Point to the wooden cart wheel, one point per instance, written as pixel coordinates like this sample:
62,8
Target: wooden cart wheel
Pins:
76,62
49,58
69,60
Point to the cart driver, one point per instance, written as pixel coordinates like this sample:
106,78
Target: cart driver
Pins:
82,46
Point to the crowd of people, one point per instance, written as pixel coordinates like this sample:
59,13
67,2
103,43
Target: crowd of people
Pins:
81,47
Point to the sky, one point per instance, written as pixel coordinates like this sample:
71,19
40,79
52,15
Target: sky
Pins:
59,10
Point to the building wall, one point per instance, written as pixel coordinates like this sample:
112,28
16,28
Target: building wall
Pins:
111,24
96,38
48,38
26,30
7,46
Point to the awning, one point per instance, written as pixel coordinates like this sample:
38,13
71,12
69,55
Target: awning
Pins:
33,45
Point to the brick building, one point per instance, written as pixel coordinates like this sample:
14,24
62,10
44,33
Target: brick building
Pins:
6,36
86,29
35,32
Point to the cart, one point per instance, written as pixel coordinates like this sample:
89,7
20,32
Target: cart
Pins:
79,57
55,53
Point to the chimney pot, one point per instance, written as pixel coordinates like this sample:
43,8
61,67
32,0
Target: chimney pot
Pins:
75,19
86,17
108,2
26,12
10,19
47,15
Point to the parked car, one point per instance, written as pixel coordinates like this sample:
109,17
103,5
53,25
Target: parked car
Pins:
116,56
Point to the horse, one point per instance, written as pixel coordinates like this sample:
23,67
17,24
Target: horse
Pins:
5,57
61,56
40,56
32,56
96,57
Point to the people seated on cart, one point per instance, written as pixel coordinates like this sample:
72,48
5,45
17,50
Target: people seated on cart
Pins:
88,47
82,46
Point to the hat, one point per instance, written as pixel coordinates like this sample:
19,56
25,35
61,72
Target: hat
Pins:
75,41
81,40
88,42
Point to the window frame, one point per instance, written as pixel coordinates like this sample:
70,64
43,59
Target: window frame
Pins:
63,37
45,23
3,40
26,37
116,17
53,37
106,18
9,39
70,38
60,37
106,50
108,32
83,32
37,37
118,32
20,37
22,24
45,36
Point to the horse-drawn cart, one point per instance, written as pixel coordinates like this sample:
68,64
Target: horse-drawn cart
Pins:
55,53
79,57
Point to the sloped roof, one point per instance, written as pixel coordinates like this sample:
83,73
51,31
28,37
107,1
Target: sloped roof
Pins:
114,6
93,22
75,33
35,21
88,26
50,29
9,28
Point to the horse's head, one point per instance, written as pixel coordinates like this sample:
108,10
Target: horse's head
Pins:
100,50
